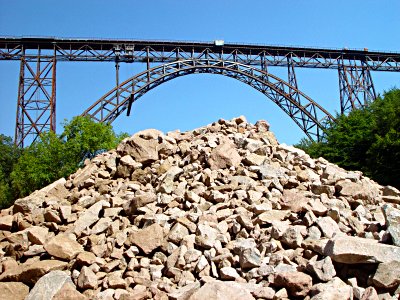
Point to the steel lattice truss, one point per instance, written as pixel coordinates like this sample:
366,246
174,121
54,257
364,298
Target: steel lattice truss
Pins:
170,59
307,114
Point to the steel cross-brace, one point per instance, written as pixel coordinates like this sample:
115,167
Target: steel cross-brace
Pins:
36,104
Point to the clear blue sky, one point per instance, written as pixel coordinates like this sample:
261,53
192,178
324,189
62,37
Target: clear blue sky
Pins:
192,101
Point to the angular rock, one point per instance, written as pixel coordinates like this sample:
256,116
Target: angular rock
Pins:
328,226
224,156
30,273
206,236
323,269
387,275
131,207
68,292
297,284
219,290
335,289
89,217
142,150
228,273
13,290
356,250
37,235
392,217
185,292
48,285
63,247
87,279
148,239
6,222
293,200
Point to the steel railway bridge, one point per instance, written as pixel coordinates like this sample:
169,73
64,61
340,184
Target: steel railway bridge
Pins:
166,60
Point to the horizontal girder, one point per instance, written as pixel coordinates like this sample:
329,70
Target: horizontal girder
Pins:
125,50
305,112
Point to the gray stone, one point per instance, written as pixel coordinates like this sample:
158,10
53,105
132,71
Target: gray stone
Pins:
89,217
250,258
392,217
48,285
323,269
328,226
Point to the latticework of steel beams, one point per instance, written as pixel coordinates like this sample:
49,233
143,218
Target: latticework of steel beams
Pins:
36,104
356,87
36,100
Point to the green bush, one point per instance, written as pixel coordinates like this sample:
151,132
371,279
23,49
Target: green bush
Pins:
367,140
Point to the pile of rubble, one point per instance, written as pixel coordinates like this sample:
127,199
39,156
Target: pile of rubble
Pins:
220,212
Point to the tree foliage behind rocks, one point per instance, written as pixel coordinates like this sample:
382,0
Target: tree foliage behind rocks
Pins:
367,139
51,157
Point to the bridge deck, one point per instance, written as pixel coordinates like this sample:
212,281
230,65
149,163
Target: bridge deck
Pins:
127,50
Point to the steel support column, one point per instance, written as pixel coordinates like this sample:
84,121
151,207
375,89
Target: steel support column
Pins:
36,105
356,86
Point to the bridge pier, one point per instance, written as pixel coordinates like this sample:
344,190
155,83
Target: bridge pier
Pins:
36,104
356,86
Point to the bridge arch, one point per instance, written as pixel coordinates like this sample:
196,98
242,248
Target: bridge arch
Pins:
306,113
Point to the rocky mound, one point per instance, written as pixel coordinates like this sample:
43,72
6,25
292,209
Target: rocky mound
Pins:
220,212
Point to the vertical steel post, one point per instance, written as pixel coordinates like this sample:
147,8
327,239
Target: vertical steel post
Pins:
36,104
292,80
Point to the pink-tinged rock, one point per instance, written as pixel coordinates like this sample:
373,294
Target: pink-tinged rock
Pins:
335,289
30,273
68,292
219,290
323,269
38,235
6,222
224,155
185,292
370,294
363,190
356,250
387,275
293,200
13,290
87,279
298,284
142,150
149,238
61,246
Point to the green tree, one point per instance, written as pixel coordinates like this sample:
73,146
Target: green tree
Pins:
54,156
367,139
8,158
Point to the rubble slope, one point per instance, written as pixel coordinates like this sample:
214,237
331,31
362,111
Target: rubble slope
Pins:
220,212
